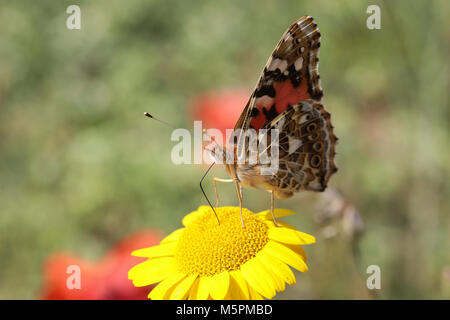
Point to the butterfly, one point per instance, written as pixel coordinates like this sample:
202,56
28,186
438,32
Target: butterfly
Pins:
288,98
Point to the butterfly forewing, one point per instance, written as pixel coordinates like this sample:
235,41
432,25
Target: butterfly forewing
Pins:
290,75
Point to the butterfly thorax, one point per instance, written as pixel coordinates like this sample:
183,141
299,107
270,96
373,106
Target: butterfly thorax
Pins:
248,171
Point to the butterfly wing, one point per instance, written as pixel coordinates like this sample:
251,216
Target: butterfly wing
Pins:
288,98
290,75
306,148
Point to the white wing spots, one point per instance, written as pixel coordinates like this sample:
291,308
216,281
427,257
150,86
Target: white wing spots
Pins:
264,101
287,37
294,144
315,185
278,64
280,123
303,19
298,64
311,32
305,107
309,26
304,118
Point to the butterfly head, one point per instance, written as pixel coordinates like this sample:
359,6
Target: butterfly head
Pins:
222,155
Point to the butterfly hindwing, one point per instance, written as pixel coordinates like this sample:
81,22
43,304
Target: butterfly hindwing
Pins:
306,148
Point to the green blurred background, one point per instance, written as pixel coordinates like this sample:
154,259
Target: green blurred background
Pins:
80,166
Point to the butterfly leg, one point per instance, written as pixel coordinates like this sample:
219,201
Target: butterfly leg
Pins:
203,191
239,192
215,187
272,201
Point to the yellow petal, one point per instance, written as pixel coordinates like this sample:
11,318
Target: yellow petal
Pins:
173,236
290,236
279,268
278,213
219,285
193,215
240,284
306,238
254,295
194,289
286,255
234,291
299,250
203,288
283,224
274,279
164,288
256,279
284,235
162,250
181,290
152,271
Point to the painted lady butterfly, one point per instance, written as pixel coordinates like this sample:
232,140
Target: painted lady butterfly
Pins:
288,97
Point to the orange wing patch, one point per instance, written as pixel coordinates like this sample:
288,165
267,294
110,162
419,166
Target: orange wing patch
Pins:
290,76
285,96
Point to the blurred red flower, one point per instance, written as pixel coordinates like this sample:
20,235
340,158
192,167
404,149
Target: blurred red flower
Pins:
219,109
106,279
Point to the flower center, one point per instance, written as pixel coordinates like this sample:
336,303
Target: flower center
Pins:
207,248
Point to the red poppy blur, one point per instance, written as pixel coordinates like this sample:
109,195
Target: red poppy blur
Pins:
219,109
106,279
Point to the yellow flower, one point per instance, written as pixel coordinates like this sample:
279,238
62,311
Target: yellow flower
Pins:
205,260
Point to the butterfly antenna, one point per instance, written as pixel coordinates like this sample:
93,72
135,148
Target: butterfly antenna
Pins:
163,122
203,191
